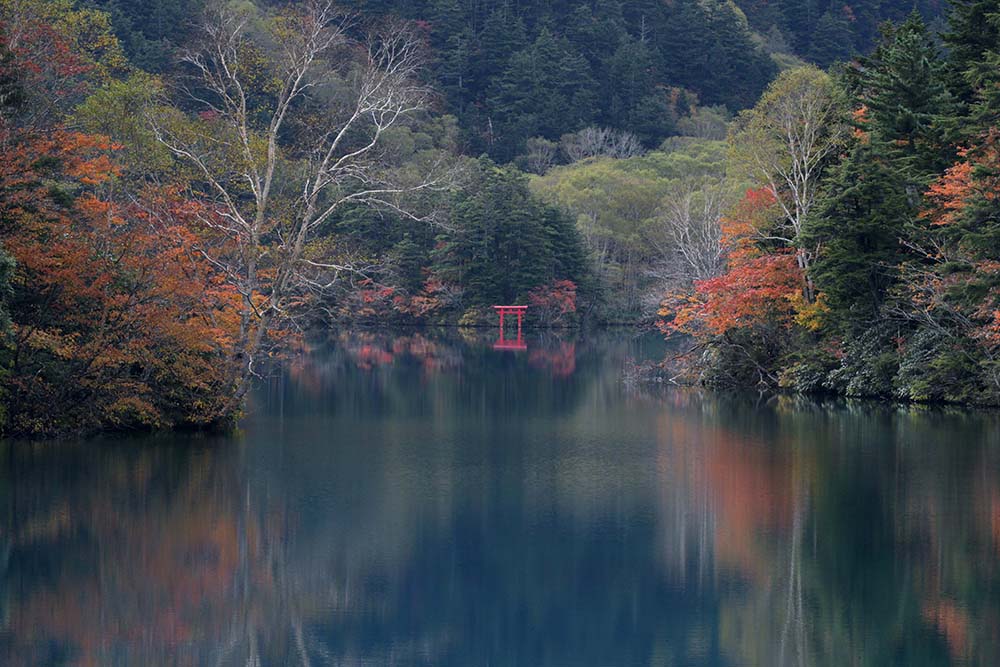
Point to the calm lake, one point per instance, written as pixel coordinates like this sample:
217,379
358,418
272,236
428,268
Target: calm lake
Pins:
423,499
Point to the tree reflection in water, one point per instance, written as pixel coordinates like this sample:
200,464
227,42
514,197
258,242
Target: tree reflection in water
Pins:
424,500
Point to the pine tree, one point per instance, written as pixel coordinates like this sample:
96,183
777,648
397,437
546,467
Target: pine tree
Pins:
502,35
504,242
873,198
974,60
902,85
860,222
831,40
632,78
547,91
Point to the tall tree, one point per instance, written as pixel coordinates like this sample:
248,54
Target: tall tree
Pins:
504,243
873,199
831,41
547,90
266,198
786,142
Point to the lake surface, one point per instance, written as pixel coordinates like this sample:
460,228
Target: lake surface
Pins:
418,499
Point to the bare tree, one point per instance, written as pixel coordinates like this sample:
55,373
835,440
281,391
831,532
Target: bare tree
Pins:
786,141
258,82
600,142
541,155
705,123
688,232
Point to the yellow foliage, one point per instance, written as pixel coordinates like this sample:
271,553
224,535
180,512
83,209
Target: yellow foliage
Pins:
810,316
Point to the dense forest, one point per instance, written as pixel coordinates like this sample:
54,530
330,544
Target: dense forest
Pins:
511,71
804,189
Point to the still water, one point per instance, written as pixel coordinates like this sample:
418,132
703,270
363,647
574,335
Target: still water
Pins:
418,499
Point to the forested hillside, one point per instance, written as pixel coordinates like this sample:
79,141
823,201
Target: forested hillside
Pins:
511,71
188,186
864,260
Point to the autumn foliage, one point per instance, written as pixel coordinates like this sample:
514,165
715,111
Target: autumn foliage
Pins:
758,287
555,303
965,288
116,320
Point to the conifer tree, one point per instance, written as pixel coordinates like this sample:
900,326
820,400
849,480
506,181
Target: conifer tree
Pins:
872,200
547,91
831,40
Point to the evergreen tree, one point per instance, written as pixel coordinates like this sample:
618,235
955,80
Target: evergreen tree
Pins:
637,102
902,85
739,68
149,30
973,34
502,36
831,40
456,70
547,91
707,47
503,242
800,18
873,198
974,60
860,222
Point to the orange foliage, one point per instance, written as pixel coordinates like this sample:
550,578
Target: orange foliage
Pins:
973,180
424,304
948,195
762,289
555,302
115,309
741,229
758,287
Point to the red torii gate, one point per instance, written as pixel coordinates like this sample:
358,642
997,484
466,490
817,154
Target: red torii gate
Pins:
503,343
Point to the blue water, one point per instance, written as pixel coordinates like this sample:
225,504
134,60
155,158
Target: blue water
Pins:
422,499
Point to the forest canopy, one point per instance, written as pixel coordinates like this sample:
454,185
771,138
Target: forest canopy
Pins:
188,186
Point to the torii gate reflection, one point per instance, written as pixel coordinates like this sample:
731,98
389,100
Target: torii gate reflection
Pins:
514,345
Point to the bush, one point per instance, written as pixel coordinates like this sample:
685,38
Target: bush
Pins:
869,365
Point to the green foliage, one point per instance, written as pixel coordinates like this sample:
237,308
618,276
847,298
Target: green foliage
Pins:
894,223
871,201
902,85
869,364
859,224
119,110
503,242
150,30
615,204
545,91
747,357
831,41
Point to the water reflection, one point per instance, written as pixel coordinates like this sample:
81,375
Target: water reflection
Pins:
426,500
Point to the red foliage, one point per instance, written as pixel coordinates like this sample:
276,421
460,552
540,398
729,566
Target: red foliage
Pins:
762,289
757,288
429,301
974,180
741,228
554,303
114,310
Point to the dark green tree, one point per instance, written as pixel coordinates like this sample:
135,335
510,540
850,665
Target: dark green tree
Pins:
873,198
503,242
707,47
903,87
638,103
546,91
832,40
859,227
973,42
